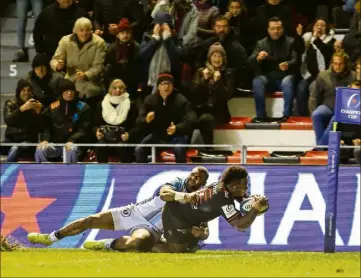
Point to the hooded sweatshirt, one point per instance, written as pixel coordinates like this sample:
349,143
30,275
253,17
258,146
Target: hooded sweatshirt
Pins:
21,126
44,89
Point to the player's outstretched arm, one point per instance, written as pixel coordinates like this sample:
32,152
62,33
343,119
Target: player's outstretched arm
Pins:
243,222
167,194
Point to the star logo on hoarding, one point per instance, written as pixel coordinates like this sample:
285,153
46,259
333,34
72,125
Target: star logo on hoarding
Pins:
20,208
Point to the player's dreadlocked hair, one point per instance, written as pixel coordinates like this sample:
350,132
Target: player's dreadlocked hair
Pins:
233,173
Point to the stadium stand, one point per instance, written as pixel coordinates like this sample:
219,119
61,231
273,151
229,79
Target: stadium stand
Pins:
291,139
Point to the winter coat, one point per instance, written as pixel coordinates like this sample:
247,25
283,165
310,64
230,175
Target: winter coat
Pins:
243,30
52,24
323,91
90,59
206,18
67,122
317,55
175,109
45,90
267,11
112,11
148,48
208,97
278,52
236,54
128,124
352,45
187,33
129,71
21,126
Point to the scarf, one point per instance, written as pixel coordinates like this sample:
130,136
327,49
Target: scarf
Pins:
118,114
309,39
122,51
159,63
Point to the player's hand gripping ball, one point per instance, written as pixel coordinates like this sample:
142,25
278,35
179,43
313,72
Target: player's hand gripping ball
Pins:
261,203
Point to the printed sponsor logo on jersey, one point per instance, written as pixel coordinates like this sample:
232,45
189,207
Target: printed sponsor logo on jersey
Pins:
229,210
126,212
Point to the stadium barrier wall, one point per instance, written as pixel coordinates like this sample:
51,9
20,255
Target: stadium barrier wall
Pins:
44,197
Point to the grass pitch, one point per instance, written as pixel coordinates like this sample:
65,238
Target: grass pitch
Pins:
78,262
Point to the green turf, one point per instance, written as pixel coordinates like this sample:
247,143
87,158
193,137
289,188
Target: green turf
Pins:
77,262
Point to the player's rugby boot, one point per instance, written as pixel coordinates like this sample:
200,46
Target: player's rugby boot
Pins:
97,244
43,239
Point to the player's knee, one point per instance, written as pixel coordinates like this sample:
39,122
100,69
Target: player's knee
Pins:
142,244
88,222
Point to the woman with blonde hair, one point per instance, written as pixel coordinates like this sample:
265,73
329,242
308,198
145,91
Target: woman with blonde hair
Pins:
114,117
81,55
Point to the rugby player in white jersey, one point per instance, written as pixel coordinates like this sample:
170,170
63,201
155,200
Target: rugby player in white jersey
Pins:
143,220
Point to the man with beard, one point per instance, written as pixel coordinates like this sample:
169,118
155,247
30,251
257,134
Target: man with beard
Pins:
143,219
67,120
122,60
235,52
23,118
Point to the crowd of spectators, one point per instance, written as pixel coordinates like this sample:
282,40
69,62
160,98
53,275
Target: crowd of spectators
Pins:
152,72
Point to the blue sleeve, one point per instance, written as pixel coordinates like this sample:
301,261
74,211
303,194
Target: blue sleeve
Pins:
176,184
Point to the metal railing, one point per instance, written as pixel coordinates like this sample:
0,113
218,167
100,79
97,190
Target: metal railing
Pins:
236,147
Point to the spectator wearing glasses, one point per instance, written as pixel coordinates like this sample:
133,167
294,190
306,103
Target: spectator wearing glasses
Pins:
166,118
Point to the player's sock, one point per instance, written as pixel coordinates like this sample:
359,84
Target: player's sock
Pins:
111,243
54,236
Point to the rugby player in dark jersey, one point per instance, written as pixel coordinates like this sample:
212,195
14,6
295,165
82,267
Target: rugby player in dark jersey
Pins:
207,203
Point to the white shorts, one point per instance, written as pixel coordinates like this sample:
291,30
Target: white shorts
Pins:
128,218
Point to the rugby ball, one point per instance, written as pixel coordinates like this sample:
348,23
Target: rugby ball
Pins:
247,204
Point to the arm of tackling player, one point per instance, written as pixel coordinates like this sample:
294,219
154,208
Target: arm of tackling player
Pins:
168,194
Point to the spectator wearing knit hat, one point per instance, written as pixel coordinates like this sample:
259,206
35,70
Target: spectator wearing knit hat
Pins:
67,120
236,54
166,118
212,88
122,60
44,81
107,14
23,118
158,52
